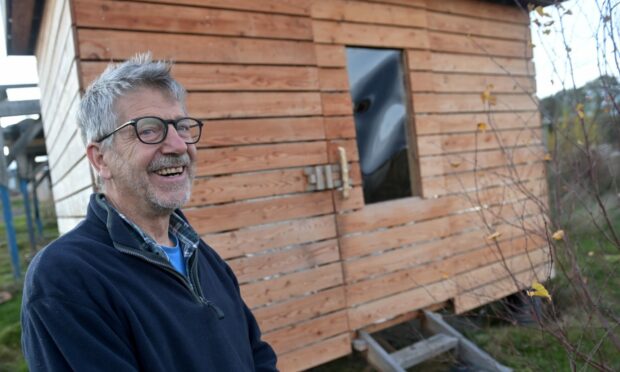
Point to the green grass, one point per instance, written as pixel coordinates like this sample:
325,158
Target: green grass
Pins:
11,358
528,348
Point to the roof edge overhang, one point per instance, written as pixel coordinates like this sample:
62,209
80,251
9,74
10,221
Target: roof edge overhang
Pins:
524,3
23,19
21,22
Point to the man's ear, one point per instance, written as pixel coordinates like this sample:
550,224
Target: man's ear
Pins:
94,152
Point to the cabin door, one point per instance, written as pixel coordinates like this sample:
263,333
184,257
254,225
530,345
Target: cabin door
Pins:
374,173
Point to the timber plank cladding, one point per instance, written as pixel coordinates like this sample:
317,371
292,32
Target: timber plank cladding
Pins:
270,80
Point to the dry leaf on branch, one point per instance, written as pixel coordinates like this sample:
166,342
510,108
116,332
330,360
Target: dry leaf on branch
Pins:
580,111
539,290
541,12
486,96
494,236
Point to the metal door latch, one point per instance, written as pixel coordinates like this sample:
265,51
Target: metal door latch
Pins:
330,176
322,177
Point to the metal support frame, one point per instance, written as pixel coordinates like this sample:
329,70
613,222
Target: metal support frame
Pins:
23,187
34,127
10,229
24,168
6,208
16,108
27,136
37,214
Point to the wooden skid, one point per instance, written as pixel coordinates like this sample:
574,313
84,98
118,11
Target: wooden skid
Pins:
424,350
467,350
377,356
441,338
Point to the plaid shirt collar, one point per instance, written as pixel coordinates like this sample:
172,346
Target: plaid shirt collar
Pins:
188,238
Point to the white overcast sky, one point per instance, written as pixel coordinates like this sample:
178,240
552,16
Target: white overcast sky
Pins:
580,30
549,53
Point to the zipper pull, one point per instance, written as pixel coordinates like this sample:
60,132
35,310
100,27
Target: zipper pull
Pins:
218,312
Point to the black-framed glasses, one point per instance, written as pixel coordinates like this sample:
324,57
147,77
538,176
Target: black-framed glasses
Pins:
152,130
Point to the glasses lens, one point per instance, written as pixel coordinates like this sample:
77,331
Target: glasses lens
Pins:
189,129
151,130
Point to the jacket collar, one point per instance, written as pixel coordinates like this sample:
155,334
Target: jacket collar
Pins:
124,233
119,231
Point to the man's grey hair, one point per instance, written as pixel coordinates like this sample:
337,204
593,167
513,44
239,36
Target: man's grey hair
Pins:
96,115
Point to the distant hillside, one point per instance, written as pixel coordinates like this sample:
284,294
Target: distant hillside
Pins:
599,103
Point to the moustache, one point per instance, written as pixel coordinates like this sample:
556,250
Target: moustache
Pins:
169,161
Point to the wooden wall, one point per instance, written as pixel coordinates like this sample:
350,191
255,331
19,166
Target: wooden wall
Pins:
407,254
60,95
271,79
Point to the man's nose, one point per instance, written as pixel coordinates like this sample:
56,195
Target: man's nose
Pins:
173,142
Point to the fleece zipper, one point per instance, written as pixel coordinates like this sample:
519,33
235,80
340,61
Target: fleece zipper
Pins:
194,288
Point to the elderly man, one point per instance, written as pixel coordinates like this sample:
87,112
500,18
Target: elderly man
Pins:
133,287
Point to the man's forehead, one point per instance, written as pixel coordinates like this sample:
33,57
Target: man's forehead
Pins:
148,101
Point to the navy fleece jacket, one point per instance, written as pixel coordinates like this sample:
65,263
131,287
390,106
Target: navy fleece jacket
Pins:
93,301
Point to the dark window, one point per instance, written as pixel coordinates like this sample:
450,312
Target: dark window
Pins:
380,105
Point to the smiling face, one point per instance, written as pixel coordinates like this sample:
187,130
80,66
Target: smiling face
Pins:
148,179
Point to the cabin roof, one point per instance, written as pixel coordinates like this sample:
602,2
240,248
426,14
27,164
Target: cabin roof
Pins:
23,18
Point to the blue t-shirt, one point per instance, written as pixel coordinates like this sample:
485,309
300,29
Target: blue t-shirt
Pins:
175,256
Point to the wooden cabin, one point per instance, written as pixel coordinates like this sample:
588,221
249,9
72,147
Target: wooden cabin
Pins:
449,222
